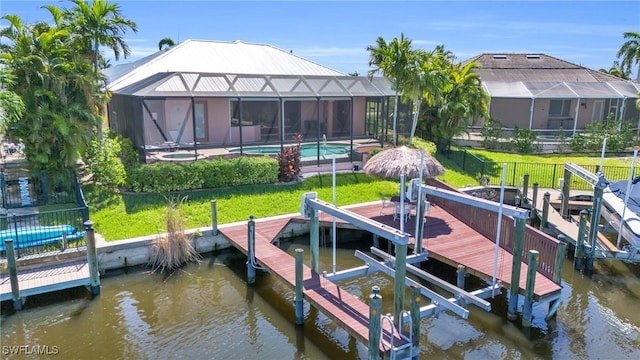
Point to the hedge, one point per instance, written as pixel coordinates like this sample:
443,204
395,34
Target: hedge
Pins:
203,174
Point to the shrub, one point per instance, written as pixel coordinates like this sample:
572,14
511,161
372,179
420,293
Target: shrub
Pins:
289,161
103,159
524,141
374,152
619,137
491,133
162,177
428,146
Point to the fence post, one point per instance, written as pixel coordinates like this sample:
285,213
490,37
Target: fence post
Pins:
92,258
45,188
464,159
13,275
65,242
214,218
3,185
375,306
561,252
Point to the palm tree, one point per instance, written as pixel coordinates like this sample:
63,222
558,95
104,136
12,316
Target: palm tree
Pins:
100,23
168,42
630,52
616,70
407,69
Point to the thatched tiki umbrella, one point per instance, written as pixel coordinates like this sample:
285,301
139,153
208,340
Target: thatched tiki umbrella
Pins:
401,162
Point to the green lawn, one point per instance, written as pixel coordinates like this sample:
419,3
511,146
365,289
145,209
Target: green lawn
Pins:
122,215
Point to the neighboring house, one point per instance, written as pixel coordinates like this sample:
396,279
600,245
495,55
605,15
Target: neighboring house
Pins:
210,94
546,94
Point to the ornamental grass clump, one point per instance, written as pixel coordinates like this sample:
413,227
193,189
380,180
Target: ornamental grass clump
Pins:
173,249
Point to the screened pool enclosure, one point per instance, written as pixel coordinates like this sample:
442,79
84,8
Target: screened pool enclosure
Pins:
210,113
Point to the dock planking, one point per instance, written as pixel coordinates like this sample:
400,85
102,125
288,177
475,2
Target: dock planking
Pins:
447,239
47,279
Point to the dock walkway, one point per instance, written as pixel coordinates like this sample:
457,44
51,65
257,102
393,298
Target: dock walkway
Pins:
446,238
46,279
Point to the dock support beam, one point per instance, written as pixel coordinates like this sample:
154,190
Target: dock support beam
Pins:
314,237
578,255
545,210
375,306
461,274
251,243
415,318
214,218
92,258
595,220
299,284
13,275
512,312
531,283
561,253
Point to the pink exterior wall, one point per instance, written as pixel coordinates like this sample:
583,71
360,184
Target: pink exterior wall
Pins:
511,112
359,116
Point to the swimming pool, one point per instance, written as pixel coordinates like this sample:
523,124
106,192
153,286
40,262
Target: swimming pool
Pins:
306,150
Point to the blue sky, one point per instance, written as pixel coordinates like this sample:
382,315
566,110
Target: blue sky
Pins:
336,33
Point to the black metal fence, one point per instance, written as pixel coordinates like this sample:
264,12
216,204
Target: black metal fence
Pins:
36,232
24,189
41,212
546,175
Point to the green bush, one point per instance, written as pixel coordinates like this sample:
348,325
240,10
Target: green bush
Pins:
524,141
619,137
103,159
428,146
491,133
204,174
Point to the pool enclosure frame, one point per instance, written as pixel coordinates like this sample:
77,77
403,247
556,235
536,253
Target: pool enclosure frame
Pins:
195,111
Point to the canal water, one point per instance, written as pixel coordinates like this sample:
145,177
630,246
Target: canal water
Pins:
207,311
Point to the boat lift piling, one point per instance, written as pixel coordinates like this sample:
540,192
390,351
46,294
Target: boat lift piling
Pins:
531,282
299,287
13,275
251,245
514,289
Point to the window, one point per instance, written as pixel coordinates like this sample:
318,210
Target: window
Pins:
559,108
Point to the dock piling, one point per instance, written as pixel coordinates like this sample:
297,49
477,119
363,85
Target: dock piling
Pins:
415,318
314,237
92,258
375,306
512,311
461,274
578,254
214,218
251,243
525,189
299,285
13,275
561,253
531,283
545,210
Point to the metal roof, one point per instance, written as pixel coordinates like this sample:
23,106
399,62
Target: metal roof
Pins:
176,84
202,56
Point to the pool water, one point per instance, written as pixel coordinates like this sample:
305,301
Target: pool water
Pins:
306,150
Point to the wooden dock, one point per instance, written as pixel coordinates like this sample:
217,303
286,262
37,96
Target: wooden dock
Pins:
446,238
558,225
46,279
